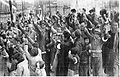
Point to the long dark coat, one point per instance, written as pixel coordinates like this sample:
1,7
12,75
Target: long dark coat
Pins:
63,61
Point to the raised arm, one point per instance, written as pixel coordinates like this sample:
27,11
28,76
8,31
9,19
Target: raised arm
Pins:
30,40
26,49
88,33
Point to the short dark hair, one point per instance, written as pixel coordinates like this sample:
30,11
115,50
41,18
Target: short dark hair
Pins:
77,33
84,9
92,10
103,11
73,10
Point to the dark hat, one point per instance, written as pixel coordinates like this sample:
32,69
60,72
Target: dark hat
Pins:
57,12
73,10
66,34
103,11
92,10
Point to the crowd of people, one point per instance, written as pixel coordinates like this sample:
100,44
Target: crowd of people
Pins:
77,44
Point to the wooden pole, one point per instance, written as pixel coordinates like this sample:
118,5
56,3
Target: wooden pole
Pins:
49,8
10,4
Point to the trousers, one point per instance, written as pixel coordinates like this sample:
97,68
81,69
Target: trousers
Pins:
112,63
96,61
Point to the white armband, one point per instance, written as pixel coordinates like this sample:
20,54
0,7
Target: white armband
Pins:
58,46
75,60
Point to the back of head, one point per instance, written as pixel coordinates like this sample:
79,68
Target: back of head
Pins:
103,11
77,33
33,52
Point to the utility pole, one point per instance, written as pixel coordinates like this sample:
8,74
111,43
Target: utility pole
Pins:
22,7
10,4
64,9
42,11
49,8
56,6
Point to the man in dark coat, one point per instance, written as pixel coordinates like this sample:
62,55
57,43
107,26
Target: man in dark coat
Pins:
111,50
63,60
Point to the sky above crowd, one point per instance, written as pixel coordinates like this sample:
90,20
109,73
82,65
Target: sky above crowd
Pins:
71,1
78,4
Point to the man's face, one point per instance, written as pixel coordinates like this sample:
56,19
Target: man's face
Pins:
82,26
59,30
57,13
48,13
97,31
27,29
73,13
92,13
86,41
100,20
114,27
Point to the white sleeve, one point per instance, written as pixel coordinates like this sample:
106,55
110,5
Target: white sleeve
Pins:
26,51
19,70
53,30
40,54
75,60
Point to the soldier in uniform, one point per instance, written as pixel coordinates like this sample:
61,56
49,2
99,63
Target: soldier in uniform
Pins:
96,52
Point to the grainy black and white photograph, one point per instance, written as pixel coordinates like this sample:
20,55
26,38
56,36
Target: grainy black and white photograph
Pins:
59,38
